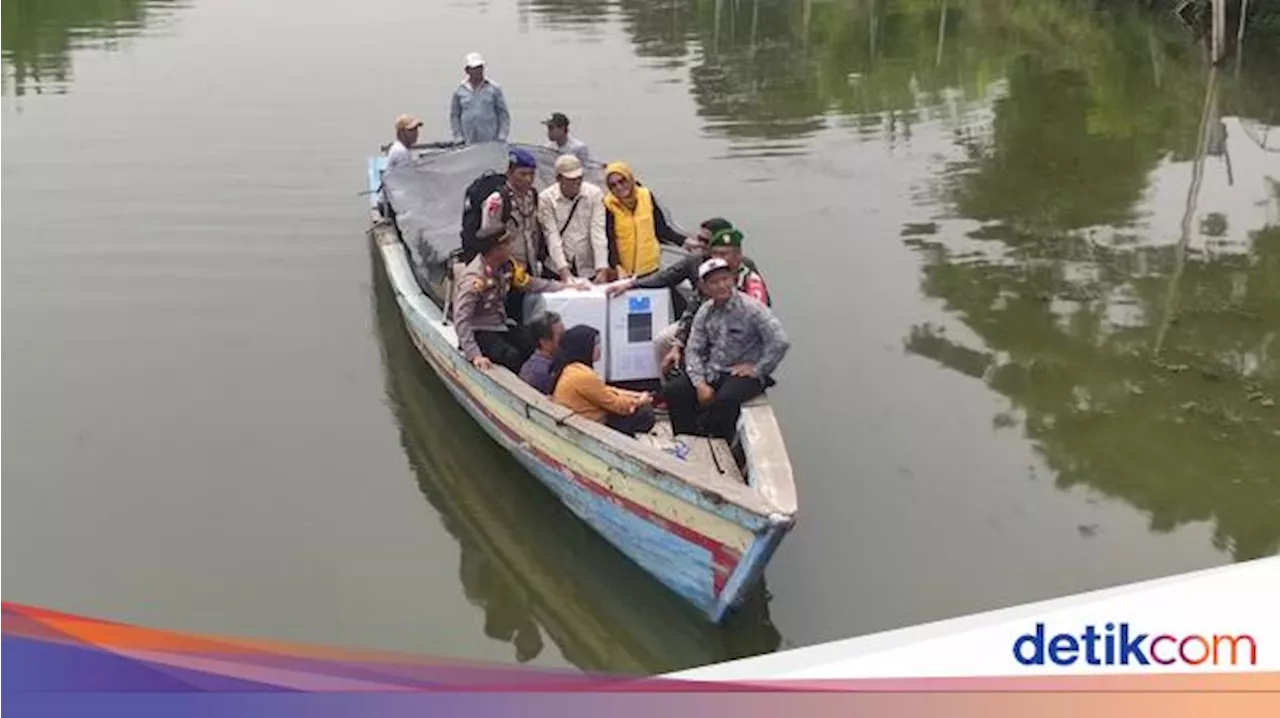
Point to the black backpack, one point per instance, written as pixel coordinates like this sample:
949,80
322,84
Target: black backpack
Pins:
473,205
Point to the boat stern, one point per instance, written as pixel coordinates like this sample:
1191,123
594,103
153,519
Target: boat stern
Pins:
749,571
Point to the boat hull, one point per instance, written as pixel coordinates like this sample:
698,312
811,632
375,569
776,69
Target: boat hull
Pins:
708,551
706,541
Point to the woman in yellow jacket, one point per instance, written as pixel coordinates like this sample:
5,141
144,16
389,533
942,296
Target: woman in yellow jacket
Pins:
635,224
579,388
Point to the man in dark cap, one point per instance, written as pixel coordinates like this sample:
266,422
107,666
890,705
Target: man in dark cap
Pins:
559,140
480,294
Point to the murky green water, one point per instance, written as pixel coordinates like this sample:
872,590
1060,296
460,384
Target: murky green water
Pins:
1029,255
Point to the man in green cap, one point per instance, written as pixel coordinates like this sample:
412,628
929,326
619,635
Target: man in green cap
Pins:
726,244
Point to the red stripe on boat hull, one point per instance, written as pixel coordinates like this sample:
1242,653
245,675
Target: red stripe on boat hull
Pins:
723,559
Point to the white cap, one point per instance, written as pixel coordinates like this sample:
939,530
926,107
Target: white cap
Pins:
568,166
710,266
474,60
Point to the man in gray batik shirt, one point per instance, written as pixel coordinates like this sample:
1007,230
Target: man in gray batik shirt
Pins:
735,344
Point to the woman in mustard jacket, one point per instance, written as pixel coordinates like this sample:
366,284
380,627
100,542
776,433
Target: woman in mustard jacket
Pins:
579,388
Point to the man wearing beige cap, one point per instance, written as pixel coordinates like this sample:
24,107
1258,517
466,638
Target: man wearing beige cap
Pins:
478,109
571,213
401,151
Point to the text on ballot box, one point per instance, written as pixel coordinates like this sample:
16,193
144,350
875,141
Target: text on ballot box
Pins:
635,319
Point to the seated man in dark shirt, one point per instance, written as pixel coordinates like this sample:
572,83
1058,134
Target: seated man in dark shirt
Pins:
546,330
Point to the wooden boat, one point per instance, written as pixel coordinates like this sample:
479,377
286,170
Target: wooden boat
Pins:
537,572
705,525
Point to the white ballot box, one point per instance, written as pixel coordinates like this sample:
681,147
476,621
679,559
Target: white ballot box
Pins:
635,318
576,307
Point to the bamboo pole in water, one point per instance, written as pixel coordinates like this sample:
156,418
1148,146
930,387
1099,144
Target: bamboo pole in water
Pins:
1244,12
1207,120
871,30
807,17
751,53
1156,54
715,28
942,31
1219,30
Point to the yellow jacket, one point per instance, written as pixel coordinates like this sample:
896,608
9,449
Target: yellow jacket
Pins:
634,232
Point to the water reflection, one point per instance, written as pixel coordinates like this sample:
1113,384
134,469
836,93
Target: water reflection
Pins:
774,69
768,70
662,30
537,572
39,35
1053,161
571,13
755,78
1132,325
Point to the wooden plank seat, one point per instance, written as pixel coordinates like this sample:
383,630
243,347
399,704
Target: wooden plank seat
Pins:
700,450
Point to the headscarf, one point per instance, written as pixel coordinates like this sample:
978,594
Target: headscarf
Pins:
577,345
621,168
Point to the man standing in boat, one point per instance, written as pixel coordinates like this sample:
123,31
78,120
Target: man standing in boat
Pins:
735,343
479,305
560,141
478,109
571,213
515,206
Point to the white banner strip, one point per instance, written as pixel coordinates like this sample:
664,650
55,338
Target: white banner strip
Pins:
1217,620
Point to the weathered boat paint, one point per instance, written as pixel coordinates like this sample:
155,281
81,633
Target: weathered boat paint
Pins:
705,538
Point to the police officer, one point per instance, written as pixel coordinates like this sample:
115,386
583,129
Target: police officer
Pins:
479,305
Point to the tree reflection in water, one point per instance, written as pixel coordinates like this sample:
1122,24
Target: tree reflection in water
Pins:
39,35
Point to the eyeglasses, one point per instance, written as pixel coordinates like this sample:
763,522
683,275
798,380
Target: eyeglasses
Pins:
619,182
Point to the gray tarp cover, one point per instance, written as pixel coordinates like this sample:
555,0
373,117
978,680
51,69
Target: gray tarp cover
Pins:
427,196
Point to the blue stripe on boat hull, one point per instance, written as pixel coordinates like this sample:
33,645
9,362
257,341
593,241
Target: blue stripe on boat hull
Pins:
686,568
623,464
681,565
